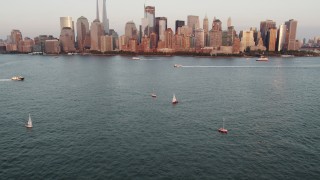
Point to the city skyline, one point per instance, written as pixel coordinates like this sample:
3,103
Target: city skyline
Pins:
241,19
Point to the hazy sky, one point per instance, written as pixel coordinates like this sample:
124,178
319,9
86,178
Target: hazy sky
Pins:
35,17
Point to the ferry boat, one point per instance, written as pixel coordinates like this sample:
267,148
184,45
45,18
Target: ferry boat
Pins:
263,58
17,78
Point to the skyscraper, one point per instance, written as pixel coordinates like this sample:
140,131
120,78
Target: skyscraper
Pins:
131,30
97,15
82,32
105,20
271,39
16,36
169,38
281,38
161,27
66,22
179,23
291,34
216,34
247,40
193,22
264,27
67,40
150,15
206,30
96,31
229,22
199,38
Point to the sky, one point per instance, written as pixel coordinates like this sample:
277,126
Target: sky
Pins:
35,17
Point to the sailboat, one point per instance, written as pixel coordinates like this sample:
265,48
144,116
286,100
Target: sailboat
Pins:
174,99
223,130
29,123
153,94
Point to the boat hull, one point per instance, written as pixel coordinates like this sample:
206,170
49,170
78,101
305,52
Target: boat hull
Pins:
223,131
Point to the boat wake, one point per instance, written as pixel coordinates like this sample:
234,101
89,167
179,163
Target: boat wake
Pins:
311,66
4,80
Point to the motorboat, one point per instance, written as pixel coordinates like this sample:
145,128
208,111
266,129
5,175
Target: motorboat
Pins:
177,65
17,78
135,58
263,58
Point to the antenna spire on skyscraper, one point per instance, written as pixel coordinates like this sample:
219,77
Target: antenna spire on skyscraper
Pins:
98,11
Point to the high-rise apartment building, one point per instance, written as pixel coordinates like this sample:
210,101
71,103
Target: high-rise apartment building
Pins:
193,22
105,20
179,23
291,34
281,37
82,32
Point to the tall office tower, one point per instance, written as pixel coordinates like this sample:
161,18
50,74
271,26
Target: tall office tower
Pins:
66,22
185,31
199,38
161,26
291,34
168,38
264,27
115,38
216,34
232,34
95,33
105,20
16,37
144,28
67,40
247,40
281,37
82,32
206,31
229,22
271,39
131,30
153,40
224,38
106,43
256,35
193,22
149,15
179,23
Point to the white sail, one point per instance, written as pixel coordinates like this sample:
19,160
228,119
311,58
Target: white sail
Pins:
29,124
174,99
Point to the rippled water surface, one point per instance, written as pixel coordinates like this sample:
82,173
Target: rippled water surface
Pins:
94,118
